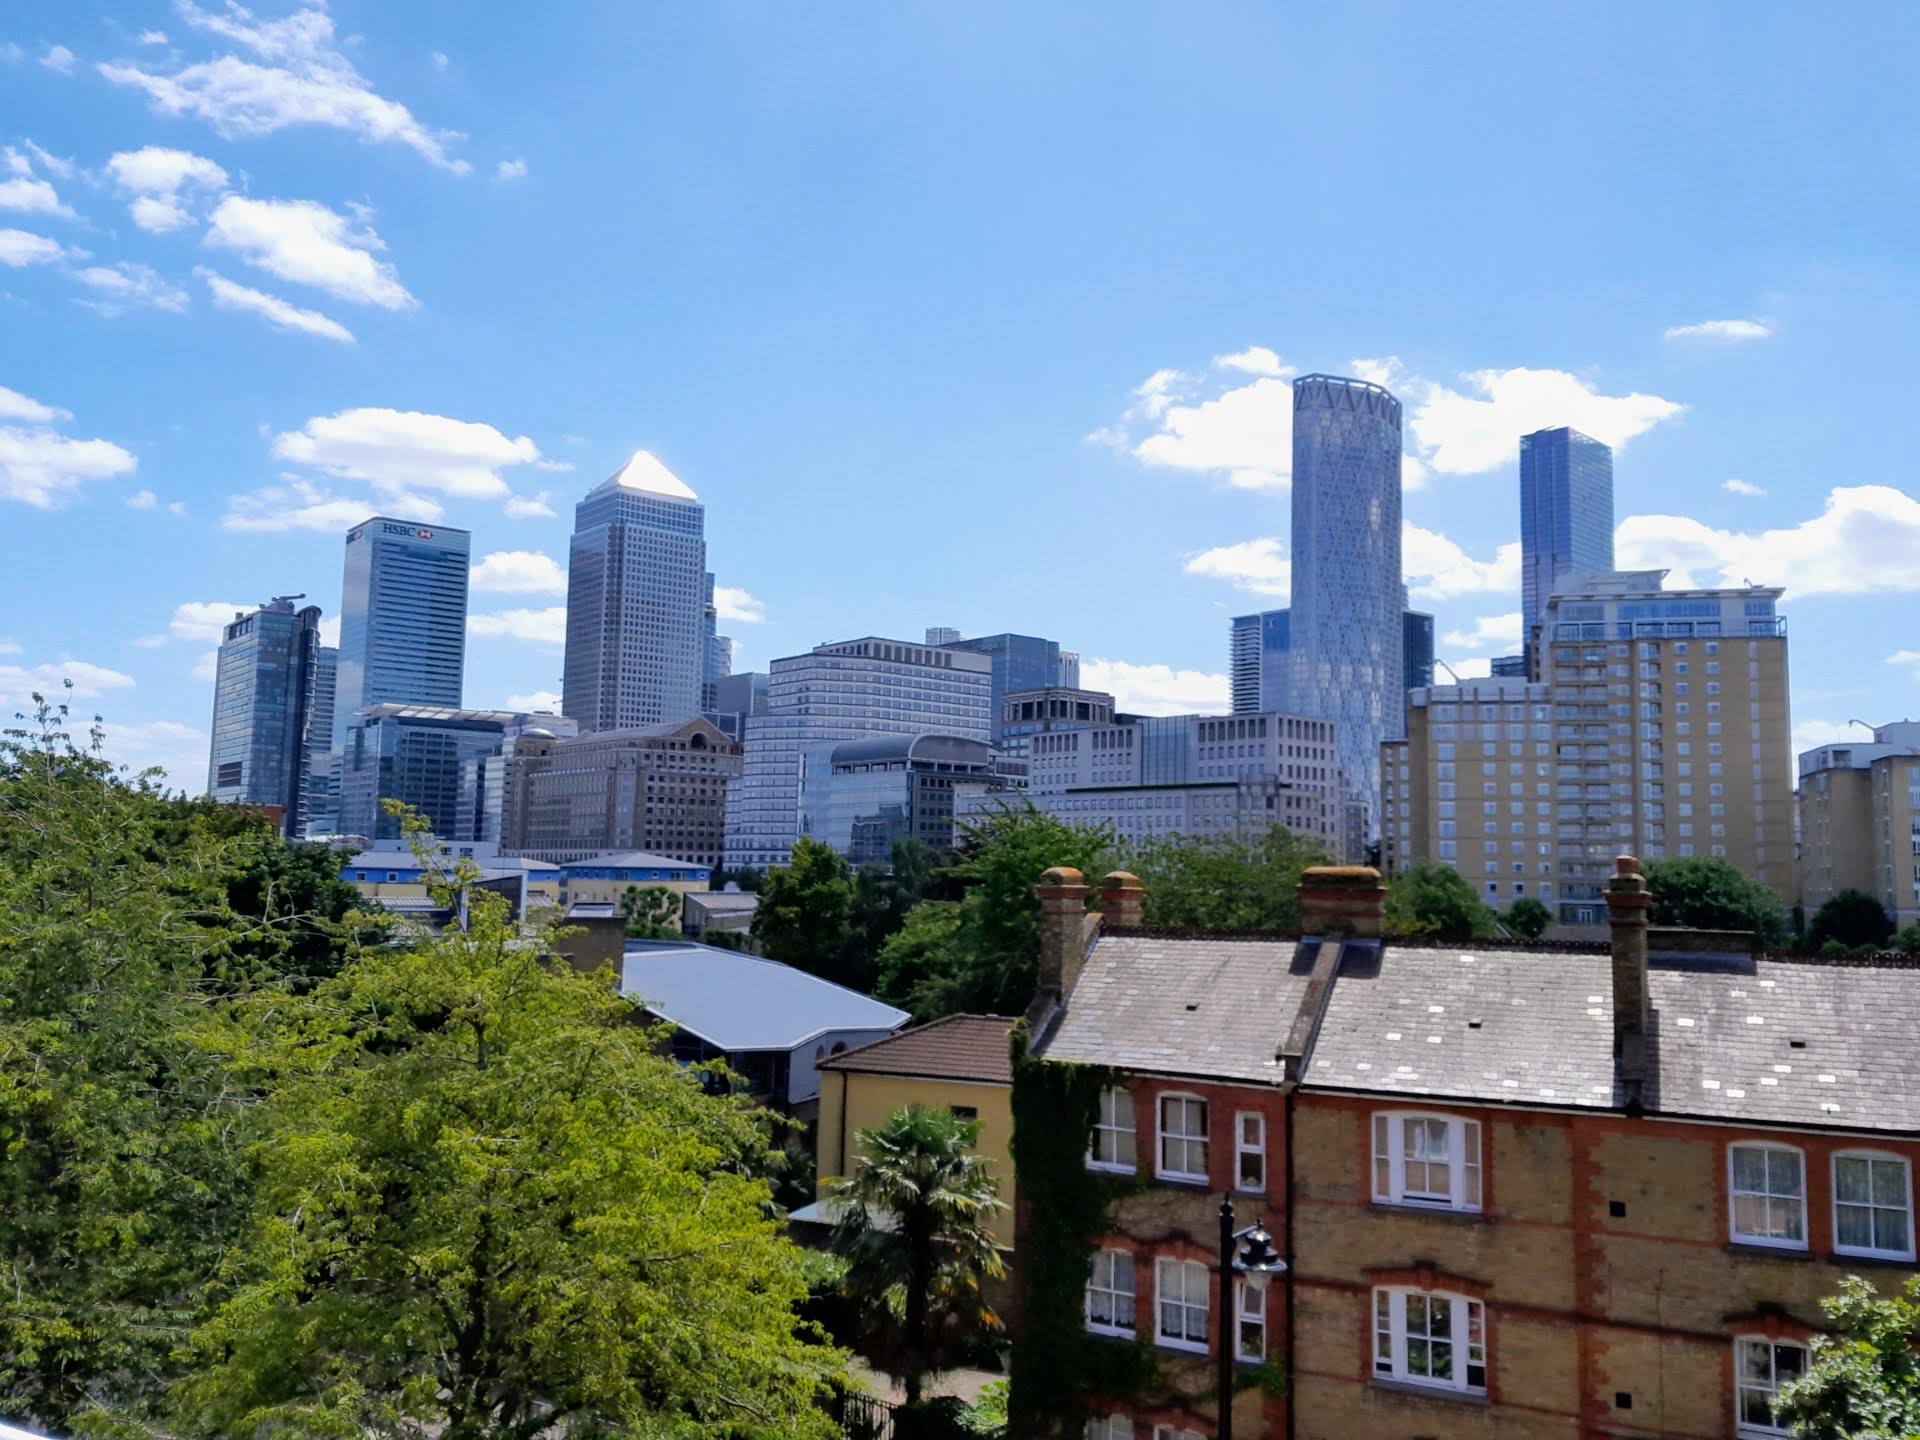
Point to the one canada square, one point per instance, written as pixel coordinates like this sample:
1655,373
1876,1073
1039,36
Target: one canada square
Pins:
1348,598
636,596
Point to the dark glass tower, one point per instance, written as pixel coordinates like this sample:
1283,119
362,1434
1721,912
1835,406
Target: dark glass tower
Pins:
1259,661
1566,515
403,618
263,700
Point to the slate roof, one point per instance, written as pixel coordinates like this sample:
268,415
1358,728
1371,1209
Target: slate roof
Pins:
1172,1005
960,1047
716,902
740,1003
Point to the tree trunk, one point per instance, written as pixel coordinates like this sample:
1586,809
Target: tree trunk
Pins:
919,1283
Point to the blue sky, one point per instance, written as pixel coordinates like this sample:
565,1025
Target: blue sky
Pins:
973,314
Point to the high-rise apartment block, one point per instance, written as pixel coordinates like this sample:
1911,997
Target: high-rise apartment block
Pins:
263,699
1566,517
403,618
637,598
1347,631
1663,717
1860,821
661,789
851,690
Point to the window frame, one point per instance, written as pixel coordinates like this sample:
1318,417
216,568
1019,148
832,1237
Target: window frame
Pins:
1461,1313
1108,1424
1465,1138
1102,1126
1741,1427
1161,1136
1111,1289
1247,1288
1161,1338
1734,1233
1242,1149
1833,1178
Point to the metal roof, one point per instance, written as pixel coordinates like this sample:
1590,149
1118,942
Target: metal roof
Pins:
738,1002
632,860
927,745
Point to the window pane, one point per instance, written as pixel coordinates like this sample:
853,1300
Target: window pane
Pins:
1889,1230
1852,1180
1749,1168
1853,1227
1889,1183
1783,1172
1756,1365
1789,1361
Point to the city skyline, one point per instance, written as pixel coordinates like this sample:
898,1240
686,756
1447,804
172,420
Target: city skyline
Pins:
195,435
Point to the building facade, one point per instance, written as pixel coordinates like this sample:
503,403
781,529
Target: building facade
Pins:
403,618
1416,649
1859,810
419,754
322,816
860,796
1258,661
1026,713
263,710
852,690
1347,632
660,788
1020,662
737,698
637,602
1566,516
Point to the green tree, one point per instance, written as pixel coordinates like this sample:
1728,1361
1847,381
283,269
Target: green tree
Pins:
1907,942
1852,917
1433,899
290,907
921,960
1226,883
487,1206
1709,894
1864,1382
915,1234
805,917
1528,918
653,912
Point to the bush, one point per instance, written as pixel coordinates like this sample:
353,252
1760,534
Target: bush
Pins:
1708,894
1852,918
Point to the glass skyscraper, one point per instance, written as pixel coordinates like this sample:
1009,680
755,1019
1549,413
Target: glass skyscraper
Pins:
1258,661
1020,662
1347,623
1417,648
1566,516
322,815
637,596
403,618
263,694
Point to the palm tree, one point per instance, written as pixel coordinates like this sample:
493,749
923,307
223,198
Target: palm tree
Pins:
914,1231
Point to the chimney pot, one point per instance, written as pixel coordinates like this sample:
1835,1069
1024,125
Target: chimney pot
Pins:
1066,928
1121,898
1343,900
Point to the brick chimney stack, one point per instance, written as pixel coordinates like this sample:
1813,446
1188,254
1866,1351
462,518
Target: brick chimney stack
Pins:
1628,903
1121,896
1066,927
1343,900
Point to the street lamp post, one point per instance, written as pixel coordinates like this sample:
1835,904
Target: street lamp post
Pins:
1256,1257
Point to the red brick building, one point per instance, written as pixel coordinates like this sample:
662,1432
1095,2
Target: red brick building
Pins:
1523,1191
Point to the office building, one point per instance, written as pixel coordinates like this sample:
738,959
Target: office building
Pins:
637,601
1860,821
1347,631
860,796
1026,713
1020,662
1066,674
1258,661
263,694
852,690
737,698
322,813
1566,516
1417,649
418,754
485,778
717,662
1507,667
942,635
1661,724
659,788
403,618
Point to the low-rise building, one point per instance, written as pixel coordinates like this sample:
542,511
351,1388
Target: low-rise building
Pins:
605,879
1860,821
703,912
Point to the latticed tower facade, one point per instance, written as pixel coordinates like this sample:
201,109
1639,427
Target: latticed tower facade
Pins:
1347,635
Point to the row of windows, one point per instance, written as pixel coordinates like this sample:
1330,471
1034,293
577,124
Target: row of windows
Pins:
1182,1140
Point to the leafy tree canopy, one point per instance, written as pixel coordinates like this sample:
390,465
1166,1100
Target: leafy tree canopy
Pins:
1529,918
1707,893
1864,1382
1853,918
1227,883
806,918
652,911
1436,900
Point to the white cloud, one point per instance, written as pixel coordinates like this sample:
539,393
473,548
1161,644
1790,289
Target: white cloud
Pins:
1864,542
207,667
1247,433
439,59
155,176
1254,360
58,59
1437,569
302,505
1260,567
1498,631
330,630
305,242
9,646
277,312
143,500
22,247
407,451
299,76
1468,433
176,507
1741,487
179,751
510,170
1156,689
151,37
1728,331
732,603
541,627
530,507
127,286
1908,658
519,572
1478,667
41,467
1812,734
19,682
53,164
203,620
149,642
545,702
29,195
11,52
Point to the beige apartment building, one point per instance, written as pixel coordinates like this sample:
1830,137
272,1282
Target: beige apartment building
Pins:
659,789
1659,719
1860,821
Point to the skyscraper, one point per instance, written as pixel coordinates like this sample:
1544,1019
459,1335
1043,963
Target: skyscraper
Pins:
1347,631
1417,649
1566,516
1020,662
262,702
322,813
637,600
1259,660
403,618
